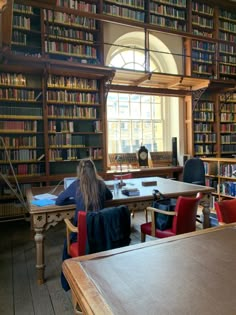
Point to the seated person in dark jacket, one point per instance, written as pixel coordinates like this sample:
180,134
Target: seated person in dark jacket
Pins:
88,192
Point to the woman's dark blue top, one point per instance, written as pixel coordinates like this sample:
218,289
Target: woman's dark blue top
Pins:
70,195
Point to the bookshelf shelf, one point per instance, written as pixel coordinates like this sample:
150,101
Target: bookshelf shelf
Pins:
220,174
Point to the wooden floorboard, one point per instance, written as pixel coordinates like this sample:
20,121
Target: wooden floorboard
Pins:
19,292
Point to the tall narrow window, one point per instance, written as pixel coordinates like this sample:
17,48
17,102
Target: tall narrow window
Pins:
134,119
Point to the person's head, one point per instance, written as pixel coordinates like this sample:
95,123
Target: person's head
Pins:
89,184
87,170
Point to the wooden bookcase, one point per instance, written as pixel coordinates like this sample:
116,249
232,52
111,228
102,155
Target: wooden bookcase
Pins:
221,174
227,127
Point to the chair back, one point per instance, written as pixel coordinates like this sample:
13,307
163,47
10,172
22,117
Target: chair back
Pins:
226,211
106,229
123,176
185,219
82,235
194,172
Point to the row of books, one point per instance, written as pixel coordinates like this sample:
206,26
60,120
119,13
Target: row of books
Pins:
228,26
228,148
167,10
81,112
71,82
203,33
73,153
228,107
227,48
228,117
21,111
228,59
21,21
202,68
204,116
18,155
23,169
225,14
77,5
27,9
77,97
63,33
228,69
228,127
226,139
179,25
66,139
132,3
18,125
204,149
17,94
7,78
202,21
65,126
228,188
74,49
123,12
210,138
204,106
228,37
203,45
19,142
69,19
68,110
202,127
202,8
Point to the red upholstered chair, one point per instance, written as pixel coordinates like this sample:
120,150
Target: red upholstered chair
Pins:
78,248
97,231
226,211
184,218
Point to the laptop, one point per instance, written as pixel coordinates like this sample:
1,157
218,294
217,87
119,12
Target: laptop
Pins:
68,181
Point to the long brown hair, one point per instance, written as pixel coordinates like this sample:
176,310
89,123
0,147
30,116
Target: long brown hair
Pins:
90,182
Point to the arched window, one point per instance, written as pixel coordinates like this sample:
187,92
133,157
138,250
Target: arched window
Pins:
135,119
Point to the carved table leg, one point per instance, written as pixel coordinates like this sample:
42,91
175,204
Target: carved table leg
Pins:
40,266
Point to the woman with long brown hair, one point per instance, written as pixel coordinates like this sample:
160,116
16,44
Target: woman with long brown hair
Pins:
89,193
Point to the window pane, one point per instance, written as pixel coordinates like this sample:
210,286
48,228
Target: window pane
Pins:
114,136
146,111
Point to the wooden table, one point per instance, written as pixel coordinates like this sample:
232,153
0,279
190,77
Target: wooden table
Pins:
43,218
192,273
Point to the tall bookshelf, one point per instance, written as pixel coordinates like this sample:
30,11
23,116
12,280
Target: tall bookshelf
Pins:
69,36
26,31
227,33
22,139
204,126
228,124
126,9
75,128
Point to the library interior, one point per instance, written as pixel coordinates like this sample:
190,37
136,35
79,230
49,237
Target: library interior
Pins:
138,86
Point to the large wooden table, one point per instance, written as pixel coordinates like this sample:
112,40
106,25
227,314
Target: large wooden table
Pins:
43,218
191,273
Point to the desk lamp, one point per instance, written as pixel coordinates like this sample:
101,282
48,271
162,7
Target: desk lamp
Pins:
119,160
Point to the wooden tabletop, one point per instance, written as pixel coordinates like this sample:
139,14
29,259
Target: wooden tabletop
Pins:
192,273
168,187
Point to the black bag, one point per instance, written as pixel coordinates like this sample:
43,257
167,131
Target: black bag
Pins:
163,221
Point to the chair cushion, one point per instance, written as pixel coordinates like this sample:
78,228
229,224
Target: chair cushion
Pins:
74,249
146,229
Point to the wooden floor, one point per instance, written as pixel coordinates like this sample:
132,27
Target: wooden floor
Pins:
19,292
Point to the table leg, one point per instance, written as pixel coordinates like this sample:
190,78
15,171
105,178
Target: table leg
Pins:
40,266
206,211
